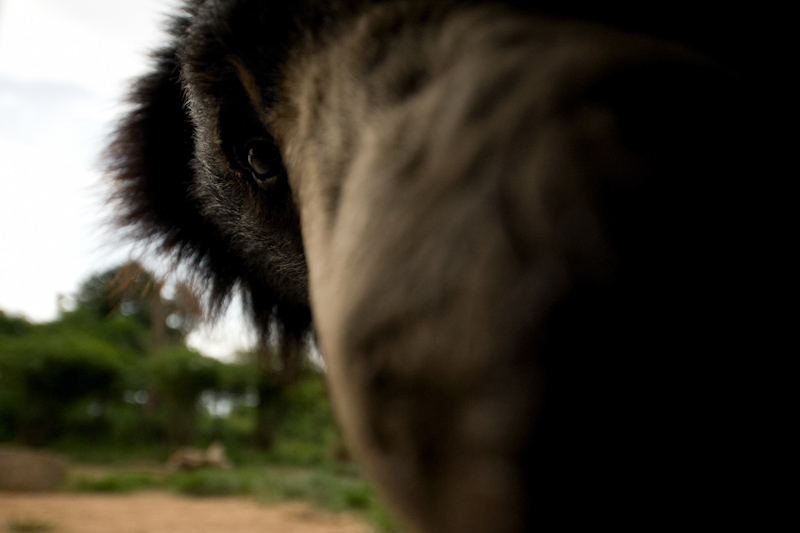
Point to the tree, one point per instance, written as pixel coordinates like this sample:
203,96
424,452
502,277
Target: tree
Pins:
131,291
181,376
44,373
276,371
13,325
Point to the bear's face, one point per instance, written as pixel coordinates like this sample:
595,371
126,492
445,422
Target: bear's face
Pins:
491,216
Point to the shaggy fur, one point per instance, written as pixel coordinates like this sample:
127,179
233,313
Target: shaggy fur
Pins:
516,232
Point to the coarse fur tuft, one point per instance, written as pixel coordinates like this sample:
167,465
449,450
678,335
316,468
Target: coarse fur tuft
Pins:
151,160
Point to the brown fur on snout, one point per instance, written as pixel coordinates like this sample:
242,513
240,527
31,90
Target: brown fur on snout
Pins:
482,350
516,234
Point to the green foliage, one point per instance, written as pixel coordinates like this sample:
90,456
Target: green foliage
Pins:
43,374
214,483
337,488
13,325
92,386
126,333
180,376
324,489
237,379
73,380
129,305
181,373
307,413
60,366
104,453
117,482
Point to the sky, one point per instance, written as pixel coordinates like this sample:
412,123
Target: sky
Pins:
65,66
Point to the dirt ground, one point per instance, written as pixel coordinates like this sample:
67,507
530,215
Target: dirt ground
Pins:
158,512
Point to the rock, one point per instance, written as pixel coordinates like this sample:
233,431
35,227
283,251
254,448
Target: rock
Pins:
23,469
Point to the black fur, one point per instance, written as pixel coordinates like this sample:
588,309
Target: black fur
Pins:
151,158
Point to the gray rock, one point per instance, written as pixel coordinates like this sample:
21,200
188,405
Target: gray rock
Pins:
23,469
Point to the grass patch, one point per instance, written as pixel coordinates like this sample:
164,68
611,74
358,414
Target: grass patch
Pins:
321,488
31,525
116,482
335,487
338,488
213,482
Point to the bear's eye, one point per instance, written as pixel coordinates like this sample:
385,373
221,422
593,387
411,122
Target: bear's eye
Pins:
264,161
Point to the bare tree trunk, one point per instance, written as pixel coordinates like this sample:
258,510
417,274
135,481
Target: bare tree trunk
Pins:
269,385
157,318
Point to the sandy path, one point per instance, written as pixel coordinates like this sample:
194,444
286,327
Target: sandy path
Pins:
157,512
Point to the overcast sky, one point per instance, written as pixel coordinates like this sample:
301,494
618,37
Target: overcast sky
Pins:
64,68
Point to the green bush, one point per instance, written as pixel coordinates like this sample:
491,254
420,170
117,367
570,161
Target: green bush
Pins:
213,483
62,367
307,413
127,334
43,375
11,325
117,482
180,376
237,379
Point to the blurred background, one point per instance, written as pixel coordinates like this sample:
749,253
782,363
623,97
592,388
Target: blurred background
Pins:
65,66
104,359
